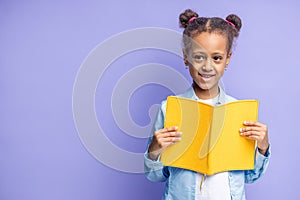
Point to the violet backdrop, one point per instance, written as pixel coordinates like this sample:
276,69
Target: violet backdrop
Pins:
44,43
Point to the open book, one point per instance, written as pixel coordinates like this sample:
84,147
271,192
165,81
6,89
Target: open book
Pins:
210,141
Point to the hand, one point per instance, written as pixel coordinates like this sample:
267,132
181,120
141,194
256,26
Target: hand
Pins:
256,131
161,139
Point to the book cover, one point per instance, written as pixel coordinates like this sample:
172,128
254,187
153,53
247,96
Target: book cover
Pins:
210,141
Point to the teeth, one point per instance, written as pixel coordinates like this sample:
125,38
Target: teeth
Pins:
206,76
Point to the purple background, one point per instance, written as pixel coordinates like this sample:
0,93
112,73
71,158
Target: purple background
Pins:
42,45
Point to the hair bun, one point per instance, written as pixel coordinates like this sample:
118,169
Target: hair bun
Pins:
186,16
236,21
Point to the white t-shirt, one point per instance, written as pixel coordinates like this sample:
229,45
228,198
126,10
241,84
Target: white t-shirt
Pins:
214,187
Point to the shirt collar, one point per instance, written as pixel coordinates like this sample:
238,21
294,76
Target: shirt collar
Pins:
190,93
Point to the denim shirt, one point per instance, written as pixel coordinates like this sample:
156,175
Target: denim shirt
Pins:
181,183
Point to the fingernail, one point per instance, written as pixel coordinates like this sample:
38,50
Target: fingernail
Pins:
245,122
179,133
241,131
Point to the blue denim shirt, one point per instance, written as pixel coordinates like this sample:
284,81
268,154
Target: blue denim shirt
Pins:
181,183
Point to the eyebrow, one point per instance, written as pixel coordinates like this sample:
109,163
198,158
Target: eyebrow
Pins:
218,53
199,52
214,53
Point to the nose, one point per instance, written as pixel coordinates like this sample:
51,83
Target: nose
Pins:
207,67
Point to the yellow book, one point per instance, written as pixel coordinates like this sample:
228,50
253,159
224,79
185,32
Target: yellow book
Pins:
210,141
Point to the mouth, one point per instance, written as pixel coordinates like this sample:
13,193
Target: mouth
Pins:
206,76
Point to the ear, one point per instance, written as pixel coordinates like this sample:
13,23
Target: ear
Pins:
228,58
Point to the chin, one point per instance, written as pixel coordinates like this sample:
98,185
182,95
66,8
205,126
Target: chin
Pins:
205,86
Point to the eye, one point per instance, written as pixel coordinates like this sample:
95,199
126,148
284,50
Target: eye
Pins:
217,58
199,57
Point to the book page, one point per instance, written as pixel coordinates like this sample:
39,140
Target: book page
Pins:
193,118
232,151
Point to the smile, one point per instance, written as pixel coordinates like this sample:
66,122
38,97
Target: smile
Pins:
206,76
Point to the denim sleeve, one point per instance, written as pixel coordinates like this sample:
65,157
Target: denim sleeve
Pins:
260,166
154,169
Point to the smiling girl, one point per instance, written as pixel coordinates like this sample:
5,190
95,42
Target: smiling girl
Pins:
207,44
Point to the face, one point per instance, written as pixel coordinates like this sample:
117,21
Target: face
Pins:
207,60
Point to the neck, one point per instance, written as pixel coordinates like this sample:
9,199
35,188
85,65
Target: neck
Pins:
206,94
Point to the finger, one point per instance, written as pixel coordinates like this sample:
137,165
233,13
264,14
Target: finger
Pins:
252,137
169,134
168,129
254,123
170,139
167,144
172,128
164,142
250,123
252,128
257,133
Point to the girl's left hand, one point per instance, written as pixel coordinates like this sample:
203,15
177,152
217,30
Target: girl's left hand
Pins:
256,131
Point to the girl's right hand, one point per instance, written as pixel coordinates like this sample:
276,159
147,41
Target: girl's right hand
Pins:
161,139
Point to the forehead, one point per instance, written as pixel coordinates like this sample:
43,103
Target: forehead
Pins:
209,42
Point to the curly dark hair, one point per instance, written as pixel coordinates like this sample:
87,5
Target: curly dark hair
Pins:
194,25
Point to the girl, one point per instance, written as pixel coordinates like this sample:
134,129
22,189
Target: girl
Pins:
207,46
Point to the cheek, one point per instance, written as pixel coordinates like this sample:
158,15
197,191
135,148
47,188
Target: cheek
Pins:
194,69
221,70
197,65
